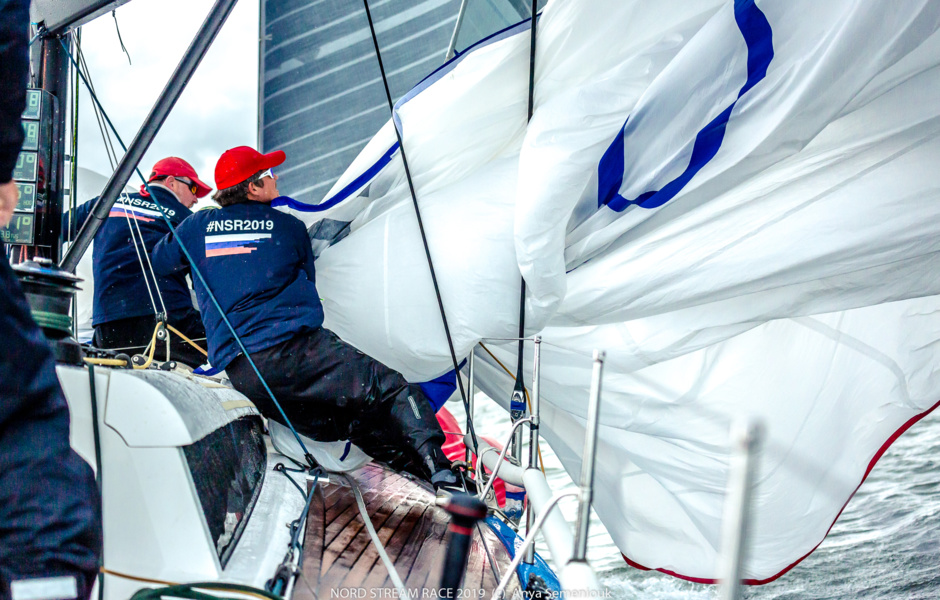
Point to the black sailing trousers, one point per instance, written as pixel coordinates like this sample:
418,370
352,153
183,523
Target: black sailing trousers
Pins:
50,510
132,335
331,391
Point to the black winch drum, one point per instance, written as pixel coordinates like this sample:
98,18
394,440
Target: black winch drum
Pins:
50,292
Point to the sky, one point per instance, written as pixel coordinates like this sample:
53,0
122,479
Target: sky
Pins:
217,110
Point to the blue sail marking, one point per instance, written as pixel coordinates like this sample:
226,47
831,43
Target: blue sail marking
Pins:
380,164
451,64
344,193
758,36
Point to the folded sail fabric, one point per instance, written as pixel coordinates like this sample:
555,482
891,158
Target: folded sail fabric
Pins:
736,200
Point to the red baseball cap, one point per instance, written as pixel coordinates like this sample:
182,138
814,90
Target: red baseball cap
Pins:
238,164
177,167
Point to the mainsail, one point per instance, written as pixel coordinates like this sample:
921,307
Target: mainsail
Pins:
736,200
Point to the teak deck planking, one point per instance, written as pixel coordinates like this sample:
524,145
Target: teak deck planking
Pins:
340,560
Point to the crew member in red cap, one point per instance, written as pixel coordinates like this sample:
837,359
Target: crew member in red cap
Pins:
258,262
129,298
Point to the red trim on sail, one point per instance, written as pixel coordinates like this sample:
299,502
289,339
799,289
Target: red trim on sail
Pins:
871,465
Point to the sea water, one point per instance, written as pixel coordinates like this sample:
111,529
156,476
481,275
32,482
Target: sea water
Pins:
886,544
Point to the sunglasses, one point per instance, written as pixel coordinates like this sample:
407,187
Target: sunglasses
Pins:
267,173
192,186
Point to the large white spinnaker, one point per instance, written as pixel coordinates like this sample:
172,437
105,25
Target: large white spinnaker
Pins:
736,200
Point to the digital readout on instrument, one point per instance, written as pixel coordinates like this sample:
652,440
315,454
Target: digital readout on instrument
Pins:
31,129
33,104
27,201
26,167
19,231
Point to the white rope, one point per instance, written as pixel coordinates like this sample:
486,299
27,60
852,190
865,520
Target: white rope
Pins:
149,266
392,573
140,260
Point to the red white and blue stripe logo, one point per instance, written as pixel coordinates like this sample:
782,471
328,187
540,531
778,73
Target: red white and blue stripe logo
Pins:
237,243
134,212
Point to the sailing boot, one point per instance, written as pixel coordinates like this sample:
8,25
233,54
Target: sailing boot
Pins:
414,421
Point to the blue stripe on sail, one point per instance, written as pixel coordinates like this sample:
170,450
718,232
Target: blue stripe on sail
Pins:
758,36
451,64
344,193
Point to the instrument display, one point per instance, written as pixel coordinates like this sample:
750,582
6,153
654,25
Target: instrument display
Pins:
34,173
27,167
20,230
31,129
27,201
33,105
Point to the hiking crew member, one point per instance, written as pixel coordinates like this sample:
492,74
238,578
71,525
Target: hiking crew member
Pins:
259,264
125,289
50,512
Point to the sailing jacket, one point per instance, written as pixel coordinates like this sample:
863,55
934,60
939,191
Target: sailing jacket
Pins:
13,69
123,281
259,264
50,516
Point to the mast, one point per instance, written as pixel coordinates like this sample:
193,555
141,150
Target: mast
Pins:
51,72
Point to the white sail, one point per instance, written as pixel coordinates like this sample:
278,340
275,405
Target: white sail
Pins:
736,200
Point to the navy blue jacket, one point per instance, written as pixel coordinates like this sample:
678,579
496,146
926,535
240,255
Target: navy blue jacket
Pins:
14,35
259,264
50,518
120,283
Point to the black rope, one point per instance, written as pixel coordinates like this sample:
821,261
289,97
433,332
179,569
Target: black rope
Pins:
118,29
280,468
286,570
73,176
424,239
73,166
517,400
531,109
532,31
295,535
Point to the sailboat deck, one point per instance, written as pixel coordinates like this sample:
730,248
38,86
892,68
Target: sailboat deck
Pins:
340,559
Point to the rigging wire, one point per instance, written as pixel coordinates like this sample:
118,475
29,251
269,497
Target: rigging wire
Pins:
195,271
516,406
140,260
524,389
73,151
133,225
424,239
137,237
85,75
73,164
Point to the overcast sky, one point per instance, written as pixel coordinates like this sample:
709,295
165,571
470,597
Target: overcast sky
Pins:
217,110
